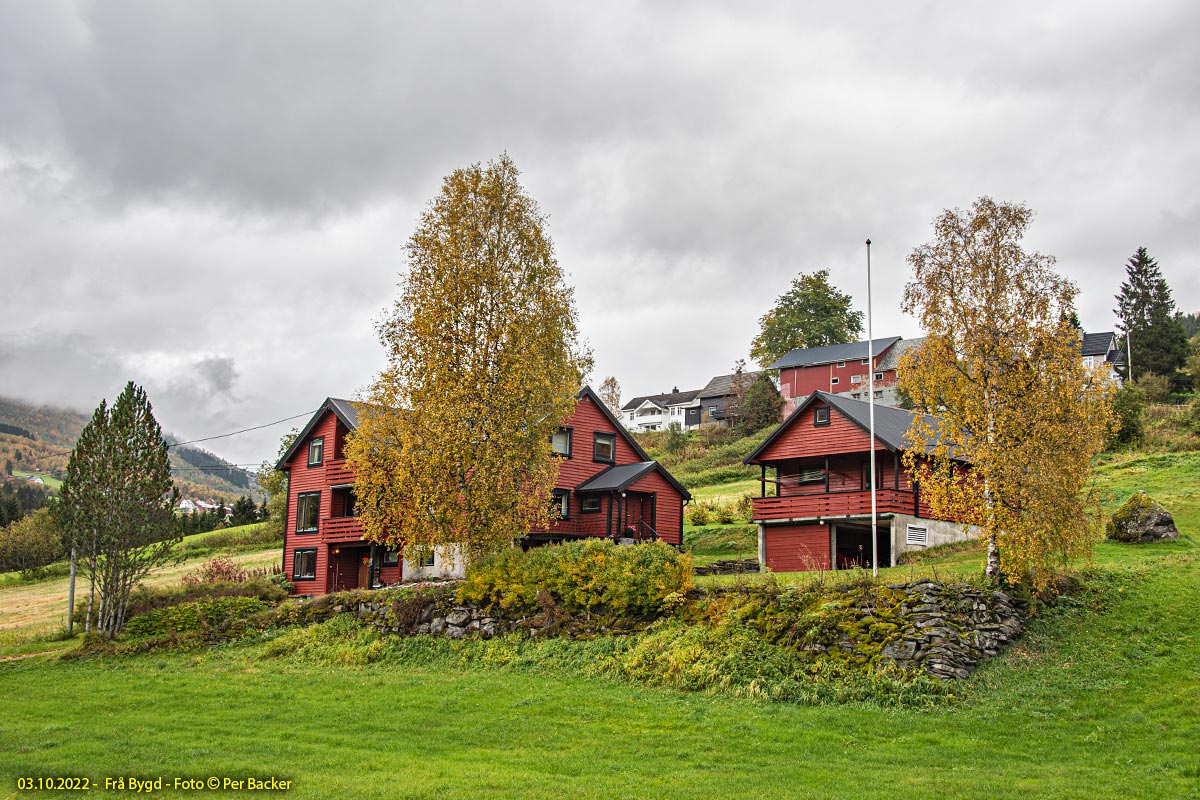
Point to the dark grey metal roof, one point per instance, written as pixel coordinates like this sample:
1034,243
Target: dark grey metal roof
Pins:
722,385
1097,344
616,478
891,360
811,356
891,423
347,412
662,400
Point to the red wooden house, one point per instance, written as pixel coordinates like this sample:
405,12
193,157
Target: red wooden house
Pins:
835,368
607,486
820,516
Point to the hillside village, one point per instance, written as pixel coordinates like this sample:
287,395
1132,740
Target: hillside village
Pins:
633,400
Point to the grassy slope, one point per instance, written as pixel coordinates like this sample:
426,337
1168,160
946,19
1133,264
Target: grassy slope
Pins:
1088,706
50,481
1100,700
33,611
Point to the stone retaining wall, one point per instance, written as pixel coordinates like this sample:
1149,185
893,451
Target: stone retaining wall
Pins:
945,630
730,566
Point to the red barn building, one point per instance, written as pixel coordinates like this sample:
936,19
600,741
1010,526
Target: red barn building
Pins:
607,486
820,516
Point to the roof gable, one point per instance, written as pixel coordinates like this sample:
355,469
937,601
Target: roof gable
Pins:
344,410
1098,344
586,393
891,424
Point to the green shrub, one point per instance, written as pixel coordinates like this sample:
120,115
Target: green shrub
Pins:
698,514
582,577
725,513
145,599
216,615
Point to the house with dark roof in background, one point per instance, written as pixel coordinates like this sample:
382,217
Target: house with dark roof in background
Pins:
607,486
717,402
818,464
1100,351
657,411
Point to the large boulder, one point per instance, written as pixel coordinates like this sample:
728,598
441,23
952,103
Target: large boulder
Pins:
1141,519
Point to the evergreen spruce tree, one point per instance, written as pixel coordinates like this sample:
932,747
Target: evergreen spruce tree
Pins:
1147,314
117,505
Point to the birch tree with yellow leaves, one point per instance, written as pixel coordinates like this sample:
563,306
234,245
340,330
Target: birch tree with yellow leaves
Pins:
1017,417
484,362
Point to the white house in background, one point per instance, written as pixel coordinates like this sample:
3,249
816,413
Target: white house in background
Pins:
657,412
187,506
1099,350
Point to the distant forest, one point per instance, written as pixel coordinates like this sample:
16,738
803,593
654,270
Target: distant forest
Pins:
1191,323
212,466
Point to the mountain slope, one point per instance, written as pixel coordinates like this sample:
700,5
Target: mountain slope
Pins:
38,439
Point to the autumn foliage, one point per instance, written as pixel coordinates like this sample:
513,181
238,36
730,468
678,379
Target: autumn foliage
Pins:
1018,417
484,362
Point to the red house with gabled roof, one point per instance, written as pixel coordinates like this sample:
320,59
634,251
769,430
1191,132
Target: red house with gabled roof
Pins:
607,486
836,369
820,515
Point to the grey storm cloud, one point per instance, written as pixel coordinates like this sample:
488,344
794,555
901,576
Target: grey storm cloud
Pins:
213,198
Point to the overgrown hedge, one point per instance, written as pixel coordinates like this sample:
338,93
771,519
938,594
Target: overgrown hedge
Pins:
582,577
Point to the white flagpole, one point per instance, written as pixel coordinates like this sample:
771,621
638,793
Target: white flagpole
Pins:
871,402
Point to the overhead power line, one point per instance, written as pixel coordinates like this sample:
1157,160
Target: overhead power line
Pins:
244,430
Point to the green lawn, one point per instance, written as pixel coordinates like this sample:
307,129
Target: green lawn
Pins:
1092,704
1101,699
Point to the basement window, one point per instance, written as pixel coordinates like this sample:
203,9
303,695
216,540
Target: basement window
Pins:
917,535
304,564
426,557
391,558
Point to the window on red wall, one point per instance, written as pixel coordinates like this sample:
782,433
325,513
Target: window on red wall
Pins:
304,564
604,447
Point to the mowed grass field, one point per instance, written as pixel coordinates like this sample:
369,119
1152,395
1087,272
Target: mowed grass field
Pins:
1101,699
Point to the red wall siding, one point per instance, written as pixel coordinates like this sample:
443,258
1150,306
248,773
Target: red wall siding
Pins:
796,548
585,421
302,479
669,511
802,439
573,471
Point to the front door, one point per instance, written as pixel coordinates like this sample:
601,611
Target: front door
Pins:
364,570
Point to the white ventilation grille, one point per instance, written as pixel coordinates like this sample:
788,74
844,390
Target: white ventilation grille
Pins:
917,534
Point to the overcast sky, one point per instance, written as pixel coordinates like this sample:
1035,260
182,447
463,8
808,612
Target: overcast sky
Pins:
212,198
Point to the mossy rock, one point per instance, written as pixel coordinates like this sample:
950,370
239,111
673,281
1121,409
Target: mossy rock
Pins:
1141,519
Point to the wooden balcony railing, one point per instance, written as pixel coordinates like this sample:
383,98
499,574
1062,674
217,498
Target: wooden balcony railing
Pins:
341,528
336,472
831,505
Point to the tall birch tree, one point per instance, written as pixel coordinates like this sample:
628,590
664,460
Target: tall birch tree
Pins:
484,362
1002,372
